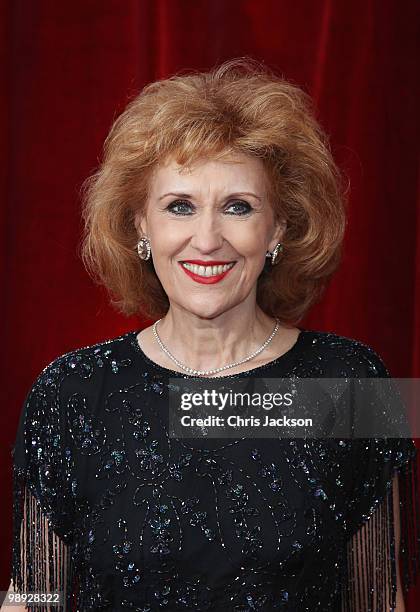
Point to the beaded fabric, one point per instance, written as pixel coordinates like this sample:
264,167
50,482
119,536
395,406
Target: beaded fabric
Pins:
119,515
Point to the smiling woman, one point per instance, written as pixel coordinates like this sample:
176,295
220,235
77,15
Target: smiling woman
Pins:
218,210
228,213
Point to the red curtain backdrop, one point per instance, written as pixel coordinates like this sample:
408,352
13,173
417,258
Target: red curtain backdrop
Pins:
71,67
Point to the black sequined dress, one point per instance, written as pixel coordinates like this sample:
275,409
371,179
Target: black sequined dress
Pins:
121,516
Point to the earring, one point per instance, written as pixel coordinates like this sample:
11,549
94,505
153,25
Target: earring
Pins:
274,255
143,248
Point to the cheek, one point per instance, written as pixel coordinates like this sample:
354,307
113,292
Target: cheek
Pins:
165,240
250,234
251,243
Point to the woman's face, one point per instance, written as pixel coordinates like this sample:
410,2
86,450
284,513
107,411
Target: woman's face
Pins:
209,227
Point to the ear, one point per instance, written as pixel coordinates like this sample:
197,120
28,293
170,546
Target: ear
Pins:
140,222
277,234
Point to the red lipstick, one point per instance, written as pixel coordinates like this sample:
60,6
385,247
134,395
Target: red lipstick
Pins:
206,280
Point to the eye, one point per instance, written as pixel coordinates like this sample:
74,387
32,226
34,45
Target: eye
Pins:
242,208
185,208
179,207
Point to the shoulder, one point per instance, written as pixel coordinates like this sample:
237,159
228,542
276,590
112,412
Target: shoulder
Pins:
342,356
107,356
63,394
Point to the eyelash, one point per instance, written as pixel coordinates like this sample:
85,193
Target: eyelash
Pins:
171,206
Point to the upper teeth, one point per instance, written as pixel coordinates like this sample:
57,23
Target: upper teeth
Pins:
207,270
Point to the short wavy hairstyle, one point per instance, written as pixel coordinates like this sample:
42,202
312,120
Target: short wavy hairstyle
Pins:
239,106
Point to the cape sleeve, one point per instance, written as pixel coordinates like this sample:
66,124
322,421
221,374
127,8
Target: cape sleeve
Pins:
382,556
43,508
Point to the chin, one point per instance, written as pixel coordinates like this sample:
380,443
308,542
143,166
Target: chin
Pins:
205,311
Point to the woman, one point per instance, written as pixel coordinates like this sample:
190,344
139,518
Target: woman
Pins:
219,211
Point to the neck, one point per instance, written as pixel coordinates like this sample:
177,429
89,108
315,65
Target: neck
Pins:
203,343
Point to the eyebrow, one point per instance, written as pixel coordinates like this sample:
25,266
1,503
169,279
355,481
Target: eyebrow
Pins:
187,195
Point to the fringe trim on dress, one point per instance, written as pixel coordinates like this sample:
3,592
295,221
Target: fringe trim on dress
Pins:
41,561
370,576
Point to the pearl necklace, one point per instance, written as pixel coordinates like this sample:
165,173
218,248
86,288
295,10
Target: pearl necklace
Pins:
226,367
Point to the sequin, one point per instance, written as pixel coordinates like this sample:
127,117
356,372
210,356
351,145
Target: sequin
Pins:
140,521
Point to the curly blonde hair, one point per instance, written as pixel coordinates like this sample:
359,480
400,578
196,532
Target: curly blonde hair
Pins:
239,106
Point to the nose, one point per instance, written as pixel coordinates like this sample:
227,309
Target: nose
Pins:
207,235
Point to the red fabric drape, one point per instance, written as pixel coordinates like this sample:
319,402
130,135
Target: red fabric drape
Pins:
70,68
